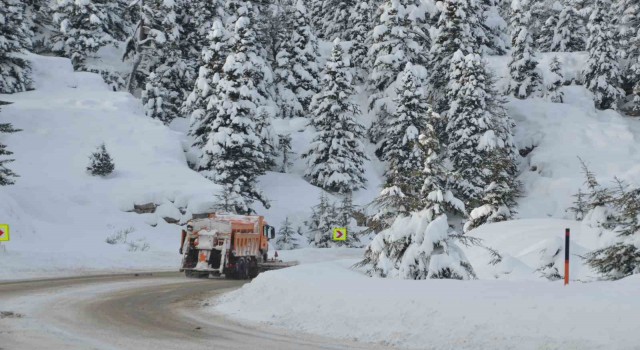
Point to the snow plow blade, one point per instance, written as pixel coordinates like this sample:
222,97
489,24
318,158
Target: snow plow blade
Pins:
275,265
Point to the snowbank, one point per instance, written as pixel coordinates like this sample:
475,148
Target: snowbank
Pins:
330,299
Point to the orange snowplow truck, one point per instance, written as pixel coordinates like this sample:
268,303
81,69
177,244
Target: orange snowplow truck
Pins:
235,246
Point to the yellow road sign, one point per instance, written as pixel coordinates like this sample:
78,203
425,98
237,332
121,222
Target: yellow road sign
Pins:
4,233
340,234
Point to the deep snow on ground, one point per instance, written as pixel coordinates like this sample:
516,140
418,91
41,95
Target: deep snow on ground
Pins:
330,299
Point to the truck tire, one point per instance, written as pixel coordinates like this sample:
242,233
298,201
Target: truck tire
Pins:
253,269
242,269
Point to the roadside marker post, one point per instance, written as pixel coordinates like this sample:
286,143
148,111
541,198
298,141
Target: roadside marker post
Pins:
567,233
340,234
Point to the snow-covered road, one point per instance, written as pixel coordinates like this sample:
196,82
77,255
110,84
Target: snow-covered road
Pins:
145,311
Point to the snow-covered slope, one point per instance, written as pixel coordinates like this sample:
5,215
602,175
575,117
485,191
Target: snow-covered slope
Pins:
59,215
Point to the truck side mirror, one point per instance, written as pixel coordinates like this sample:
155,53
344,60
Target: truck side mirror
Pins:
272,231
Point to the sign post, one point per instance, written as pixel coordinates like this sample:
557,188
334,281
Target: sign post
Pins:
340,234
566,256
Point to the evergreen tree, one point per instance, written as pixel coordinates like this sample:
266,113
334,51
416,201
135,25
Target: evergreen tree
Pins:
101,163
170,79
6,175
455,32
405,157
83,28
286,239
556,80
549,257
396,41
545,37
569,33
296,69
336,18
284,149
336,155
39,23
525,79
494,27
602,73
235,154
579,208
317,13
361,21
322,222
344,219
15,72
197,105
481,147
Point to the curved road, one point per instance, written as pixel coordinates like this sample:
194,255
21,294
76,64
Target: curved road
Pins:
134,311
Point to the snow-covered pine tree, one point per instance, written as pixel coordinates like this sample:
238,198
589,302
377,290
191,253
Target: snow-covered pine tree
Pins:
15,71
569,33
296,65
336,18
39,22
323,220
171,78
556,81
317,13
336,155
235,154
397,39
196,107
360,25
622,257
480,137
455,32
579,208
286,239
525,79
549,255
402,151
544,40
82,29
101,162
284,150
494,27
602,73
7,175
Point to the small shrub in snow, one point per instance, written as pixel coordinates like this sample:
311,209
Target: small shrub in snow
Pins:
140,245
101,163
120,237
284,149
548,257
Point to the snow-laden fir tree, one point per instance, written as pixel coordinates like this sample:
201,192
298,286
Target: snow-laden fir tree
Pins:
397,39
555,82
525,79
602,73
569,33
296,65
317,13
480,142
235,154
101,163
323,220
358,34
287,237
196,106
336,18
144,45
285,153
456,29
495,40
620,221
544,40
15,71
336,155
167,85
344,212
82,29
7,175
39,22
404,155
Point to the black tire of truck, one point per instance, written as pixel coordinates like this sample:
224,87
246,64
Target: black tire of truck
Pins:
253,268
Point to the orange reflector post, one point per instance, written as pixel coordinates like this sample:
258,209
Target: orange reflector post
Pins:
566,256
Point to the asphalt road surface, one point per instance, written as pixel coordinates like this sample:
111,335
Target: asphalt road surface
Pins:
135,311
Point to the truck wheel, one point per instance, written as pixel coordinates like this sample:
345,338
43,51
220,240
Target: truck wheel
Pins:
189,274
253,269
242,269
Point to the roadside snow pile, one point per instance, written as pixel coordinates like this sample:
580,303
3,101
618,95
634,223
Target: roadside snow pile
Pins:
329,299
60,216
